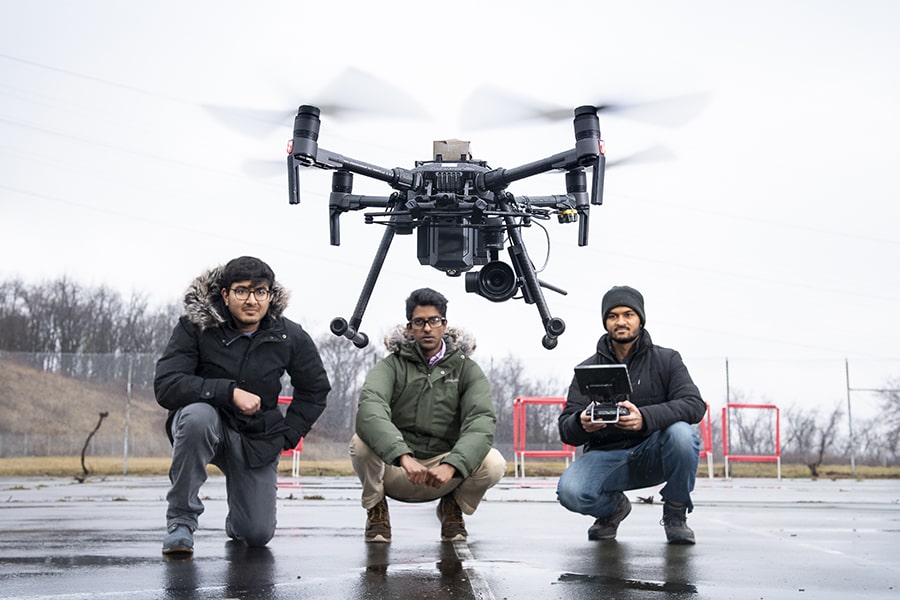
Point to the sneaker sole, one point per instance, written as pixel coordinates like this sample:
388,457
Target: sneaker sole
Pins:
456,538
178,550
683,542
378,539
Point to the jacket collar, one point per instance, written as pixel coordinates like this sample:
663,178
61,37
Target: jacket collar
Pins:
455,339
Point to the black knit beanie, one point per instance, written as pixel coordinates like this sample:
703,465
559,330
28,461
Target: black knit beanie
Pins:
622,295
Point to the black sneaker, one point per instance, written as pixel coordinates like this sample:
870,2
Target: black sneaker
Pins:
180,540
453,528
675,521
605,528
378,523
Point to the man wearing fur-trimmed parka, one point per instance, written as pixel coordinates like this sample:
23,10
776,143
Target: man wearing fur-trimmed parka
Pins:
220,377
425,423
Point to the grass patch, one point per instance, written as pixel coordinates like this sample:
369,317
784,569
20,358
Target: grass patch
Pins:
108,466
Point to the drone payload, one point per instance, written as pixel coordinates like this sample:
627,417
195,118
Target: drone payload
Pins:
460,210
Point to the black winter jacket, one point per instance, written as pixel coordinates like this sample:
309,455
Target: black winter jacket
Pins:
661,388
207,357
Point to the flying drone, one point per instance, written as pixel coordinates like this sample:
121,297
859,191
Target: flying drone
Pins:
460,210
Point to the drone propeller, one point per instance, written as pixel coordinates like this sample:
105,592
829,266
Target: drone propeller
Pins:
655,153
352,92
489,107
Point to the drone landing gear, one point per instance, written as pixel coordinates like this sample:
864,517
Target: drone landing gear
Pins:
531,285
340,326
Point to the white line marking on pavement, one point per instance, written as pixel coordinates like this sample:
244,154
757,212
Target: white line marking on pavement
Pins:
480,587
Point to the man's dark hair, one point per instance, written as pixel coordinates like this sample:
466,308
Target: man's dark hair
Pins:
244,268
426,297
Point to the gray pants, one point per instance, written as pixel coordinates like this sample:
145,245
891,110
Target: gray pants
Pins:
200,439
380,480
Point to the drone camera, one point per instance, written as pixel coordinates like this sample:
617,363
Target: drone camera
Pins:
496,282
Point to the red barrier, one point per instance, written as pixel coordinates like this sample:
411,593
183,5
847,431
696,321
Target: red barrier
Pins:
294,452
706,438
774,457
520,428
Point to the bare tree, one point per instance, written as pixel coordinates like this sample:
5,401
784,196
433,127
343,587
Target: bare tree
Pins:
890,416
347,366
750,431
509,380
14,319
810,436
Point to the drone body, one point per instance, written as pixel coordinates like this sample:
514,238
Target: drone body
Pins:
460,210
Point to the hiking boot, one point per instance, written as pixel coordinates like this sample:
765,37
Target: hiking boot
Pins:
378,523
453,528
605,528
675,521
180,540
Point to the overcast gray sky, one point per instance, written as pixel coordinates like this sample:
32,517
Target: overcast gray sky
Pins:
769,237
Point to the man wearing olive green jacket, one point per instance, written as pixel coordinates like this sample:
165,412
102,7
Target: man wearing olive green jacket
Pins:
425,423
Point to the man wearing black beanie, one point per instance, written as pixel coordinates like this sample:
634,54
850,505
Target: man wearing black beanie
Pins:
654,443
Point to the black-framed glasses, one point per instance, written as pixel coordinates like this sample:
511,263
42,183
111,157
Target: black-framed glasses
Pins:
419,322
242,293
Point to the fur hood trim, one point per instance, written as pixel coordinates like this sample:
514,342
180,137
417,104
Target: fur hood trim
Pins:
454,337
204,306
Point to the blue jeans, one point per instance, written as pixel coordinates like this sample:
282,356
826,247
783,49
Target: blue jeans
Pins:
593,483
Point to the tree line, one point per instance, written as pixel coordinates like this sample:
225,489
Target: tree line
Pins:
64,317
68,327
71,329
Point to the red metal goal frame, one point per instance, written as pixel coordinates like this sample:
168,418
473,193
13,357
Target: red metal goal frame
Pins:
520,429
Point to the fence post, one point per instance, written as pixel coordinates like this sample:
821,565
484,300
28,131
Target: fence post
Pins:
127,413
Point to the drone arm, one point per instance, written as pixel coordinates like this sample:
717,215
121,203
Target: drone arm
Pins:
499,179
397,178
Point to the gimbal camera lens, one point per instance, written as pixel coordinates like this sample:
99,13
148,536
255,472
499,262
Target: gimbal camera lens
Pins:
496,282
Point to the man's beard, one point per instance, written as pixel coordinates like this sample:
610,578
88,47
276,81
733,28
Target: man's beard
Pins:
627,339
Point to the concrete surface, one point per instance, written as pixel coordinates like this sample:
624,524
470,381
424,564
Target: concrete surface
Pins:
756,539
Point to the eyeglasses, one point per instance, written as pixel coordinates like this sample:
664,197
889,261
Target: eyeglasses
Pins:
242,293
419,322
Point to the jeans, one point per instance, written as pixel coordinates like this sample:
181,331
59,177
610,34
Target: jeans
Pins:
200,438
593,482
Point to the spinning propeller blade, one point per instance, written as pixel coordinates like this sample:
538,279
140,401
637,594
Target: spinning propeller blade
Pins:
651,154
489,107
353,91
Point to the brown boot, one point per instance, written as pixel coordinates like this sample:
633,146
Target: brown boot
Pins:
453,528
378,523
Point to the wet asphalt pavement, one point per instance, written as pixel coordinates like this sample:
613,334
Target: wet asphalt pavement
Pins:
756,539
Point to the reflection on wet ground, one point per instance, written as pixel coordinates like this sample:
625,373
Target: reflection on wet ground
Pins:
756,539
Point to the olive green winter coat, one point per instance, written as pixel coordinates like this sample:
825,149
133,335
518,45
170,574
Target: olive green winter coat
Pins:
407,407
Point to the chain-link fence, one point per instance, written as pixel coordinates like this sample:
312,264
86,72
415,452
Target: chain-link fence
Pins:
50,405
